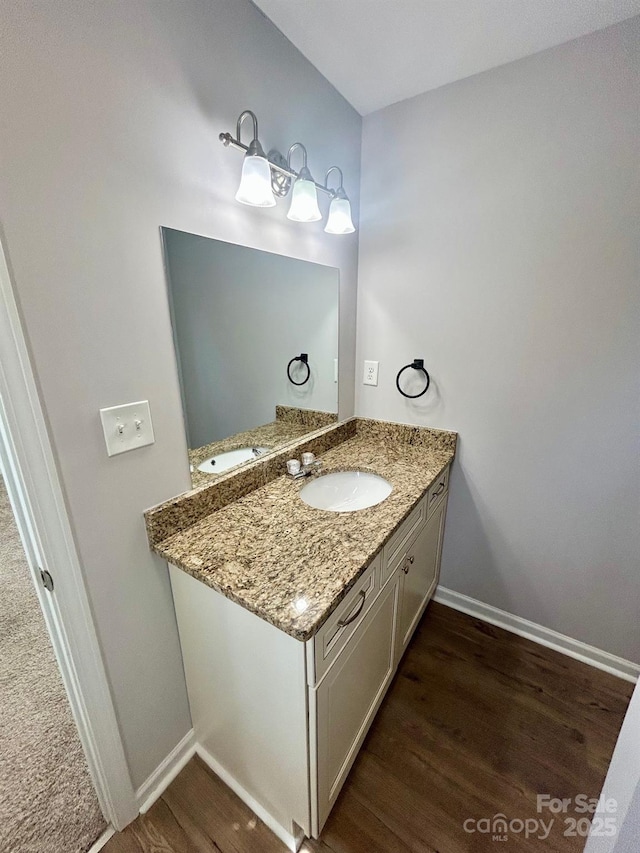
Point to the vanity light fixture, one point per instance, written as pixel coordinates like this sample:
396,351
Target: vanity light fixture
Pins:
339,221
304,196
255,183
265,178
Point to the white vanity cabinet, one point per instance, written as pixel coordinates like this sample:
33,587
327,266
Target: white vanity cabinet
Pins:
281,721
412,555
420,569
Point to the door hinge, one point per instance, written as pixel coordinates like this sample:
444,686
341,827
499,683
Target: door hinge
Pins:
47,580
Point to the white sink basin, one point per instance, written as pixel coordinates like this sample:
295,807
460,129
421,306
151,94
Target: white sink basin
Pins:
346,491
223,461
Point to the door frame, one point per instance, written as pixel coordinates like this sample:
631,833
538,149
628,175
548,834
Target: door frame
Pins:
28,464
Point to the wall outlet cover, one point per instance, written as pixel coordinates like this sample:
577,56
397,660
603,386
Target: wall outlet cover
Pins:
370,373
127,427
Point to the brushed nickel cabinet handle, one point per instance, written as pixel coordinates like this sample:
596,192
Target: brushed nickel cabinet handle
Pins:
411,559
344,622
439,490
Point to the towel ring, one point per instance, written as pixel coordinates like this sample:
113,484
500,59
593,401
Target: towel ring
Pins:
416,364
304,359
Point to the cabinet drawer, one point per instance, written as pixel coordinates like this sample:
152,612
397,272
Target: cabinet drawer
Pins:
344,621
395,549
438,488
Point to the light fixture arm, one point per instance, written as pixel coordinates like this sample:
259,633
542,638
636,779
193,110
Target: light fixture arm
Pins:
254,149
241,118
304,173
339,192
334,169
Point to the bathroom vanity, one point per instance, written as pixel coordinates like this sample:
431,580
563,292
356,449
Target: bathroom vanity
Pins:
293,620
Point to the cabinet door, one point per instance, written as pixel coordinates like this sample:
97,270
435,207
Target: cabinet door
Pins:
419,576
348,697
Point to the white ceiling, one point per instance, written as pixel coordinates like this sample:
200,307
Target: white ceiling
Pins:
377,52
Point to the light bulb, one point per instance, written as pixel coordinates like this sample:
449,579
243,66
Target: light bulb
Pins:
304,202
339,221
255,183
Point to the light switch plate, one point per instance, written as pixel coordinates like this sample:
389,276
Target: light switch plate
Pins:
127,427
370,373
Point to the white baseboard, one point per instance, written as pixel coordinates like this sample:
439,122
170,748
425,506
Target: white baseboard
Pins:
287,838
165,772
100,842
598,658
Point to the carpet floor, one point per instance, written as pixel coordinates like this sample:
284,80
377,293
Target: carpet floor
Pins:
47,800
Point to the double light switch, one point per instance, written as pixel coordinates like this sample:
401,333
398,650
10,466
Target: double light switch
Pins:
127,427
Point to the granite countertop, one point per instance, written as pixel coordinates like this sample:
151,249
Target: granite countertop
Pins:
291,564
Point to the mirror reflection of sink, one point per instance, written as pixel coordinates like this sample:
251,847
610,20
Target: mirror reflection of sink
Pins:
223,461
346,491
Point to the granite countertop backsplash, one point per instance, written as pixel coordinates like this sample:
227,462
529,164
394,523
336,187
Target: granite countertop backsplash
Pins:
270,552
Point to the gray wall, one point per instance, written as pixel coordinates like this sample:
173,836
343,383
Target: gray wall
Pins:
239,315
110,114
499,241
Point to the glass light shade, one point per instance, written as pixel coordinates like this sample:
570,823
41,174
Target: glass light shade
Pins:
339,221
255,183
304,202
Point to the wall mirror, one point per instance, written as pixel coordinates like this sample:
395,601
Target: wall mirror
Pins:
256,339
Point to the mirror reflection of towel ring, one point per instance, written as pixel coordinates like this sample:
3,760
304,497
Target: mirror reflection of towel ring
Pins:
304,359
416,364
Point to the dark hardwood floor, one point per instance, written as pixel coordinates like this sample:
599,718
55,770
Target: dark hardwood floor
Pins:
477,722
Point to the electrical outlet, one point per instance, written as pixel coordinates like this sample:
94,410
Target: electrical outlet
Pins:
370,373
127,427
